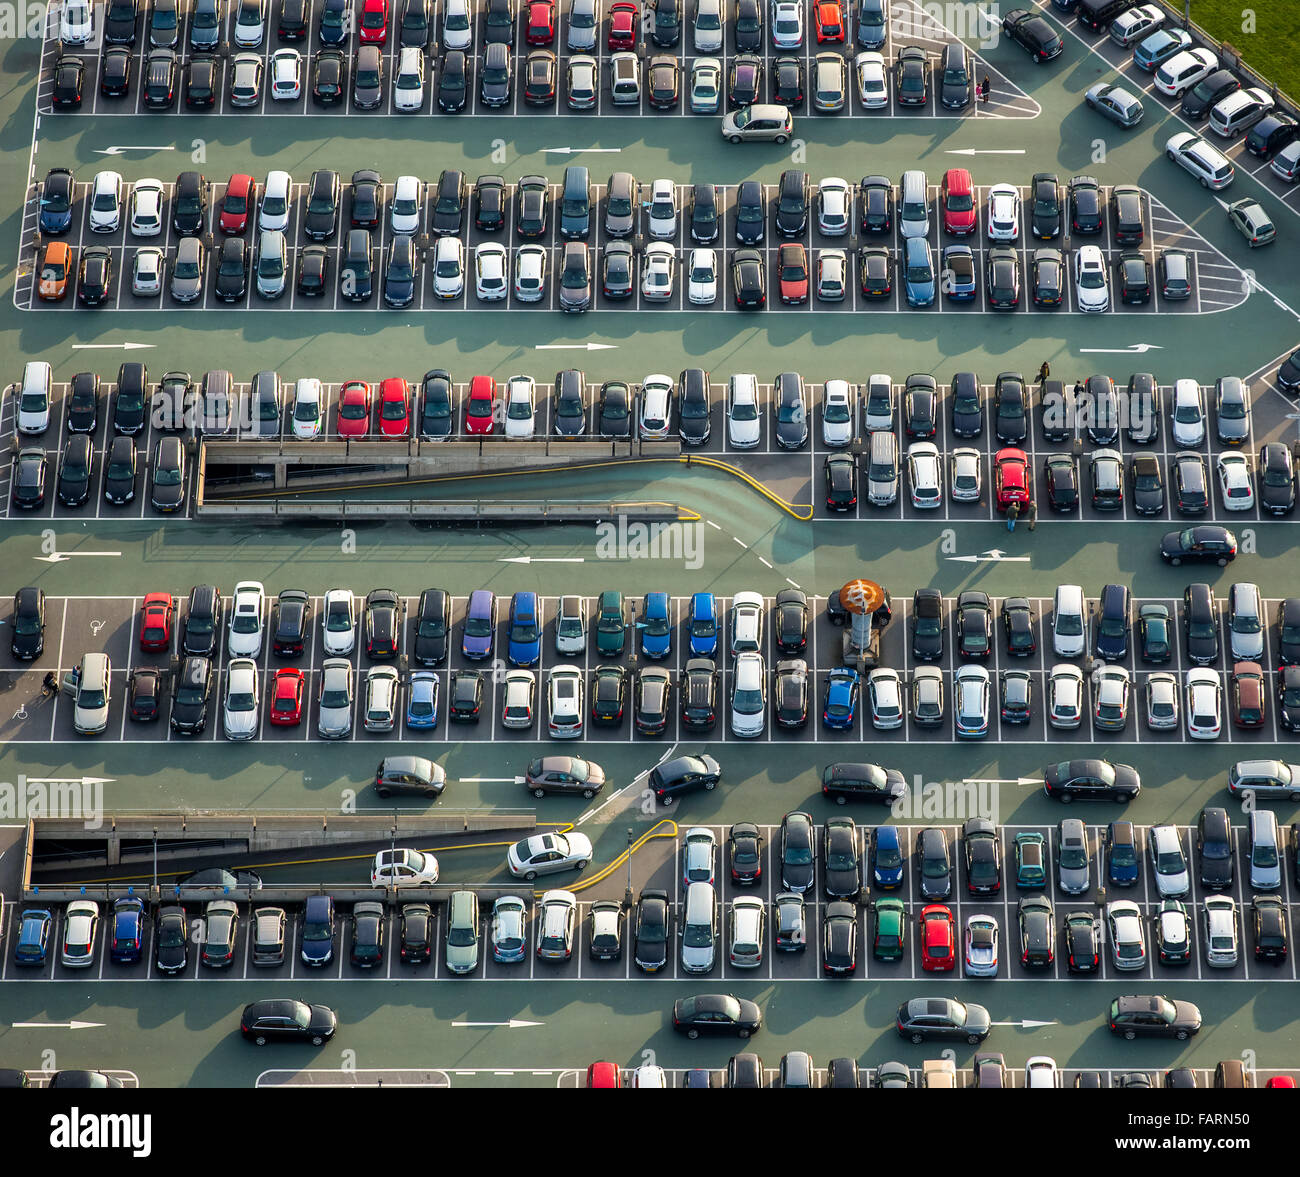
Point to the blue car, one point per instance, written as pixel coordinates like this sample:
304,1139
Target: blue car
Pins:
656,627
33,937
525,632
958,273
1159,48
918,272
1123,865
841,707
127,944
480,624
704,626
886,858
422,707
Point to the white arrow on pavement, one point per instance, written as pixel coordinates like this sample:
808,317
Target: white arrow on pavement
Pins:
985,151
992,556
491,780
578,346
997,780
133,147
1133,349
57,1025
542,560
71,780
1027,1024
59,557
513,1023
576,150
112,346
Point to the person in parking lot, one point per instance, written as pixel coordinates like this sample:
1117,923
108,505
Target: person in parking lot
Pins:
1013,513
1033,514
984,90
1044,372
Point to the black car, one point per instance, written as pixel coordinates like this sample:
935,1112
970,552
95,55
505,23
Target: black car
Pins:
383,623
974,624
842,877
367,199
119,472
193,690
465,696
329,75
1045,209
143,694
1048,277
27,626
1061,481
1288,632
1133,277
321,220
1208,92
955,88
654,688
1148,485
1081,933
876,271
912,76
1034,34
496,76
744,853
704,213
73,487
693,410
840,939
1018,627
1143,408
285,1020
453,84
171,940
1002,278
231,282
190,204
699,691
1037,921
313,271
95,280
1206,545
292,25
751,213
790,621
933,864
449,202
1087,779
666,27
1200,626
1085,205
356,267
30,467
499,22
684,774
167,476
1277,478
402,273
1214,848
923,1019
1153,1016
749,26
876,204
650,937
57,195
416,937
1268,920
792,203
1273,132
1104,422
368,920
532,211
413,24
798,853
920,407
618,264
749,278
128,412
160,75
1011,409
202,82
787,81
927,624
841,475
490,203
708,1013
613,409
663,82
291,623
967,405
791,409
429,637
68,82
1191,484
199,630
790,693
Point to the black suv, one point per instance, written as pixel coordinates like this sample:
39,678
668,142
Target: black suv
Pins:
700,695
792,203
429,639
191,695
190,204
202,624
292,611
321,221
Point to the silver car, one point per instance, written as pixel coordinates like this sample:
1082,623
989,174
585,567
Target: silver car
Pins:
381,699
246,79
272,263
571,626
965,483
239,712
509,917
583,25
1073,867
748,929
91,691
1168,862
334,717
548,854
1065,697
760,123
80,931
1220,931
1124,929
1110,690
1162,701
147,272
520,695
187,270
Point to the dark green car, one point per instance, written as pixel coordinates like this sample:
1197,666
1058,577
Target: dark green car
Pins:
1153,632
611,629
1031,870
890,940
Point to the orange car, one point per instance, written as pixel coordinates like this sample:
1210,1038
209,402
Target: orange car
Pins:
56,266
830,21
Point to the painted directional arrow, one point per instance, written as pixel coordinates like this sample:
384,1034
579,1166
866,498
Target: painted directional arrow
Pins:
491,780
1027,1024
57,1025
512,1024
111,346
59,557
1133,349
997,780
542,560
572,346
993,555
73,780
577,150
985,151
133,147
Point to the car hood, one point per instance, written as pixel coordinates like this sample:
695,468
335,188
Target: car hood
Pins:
977,1018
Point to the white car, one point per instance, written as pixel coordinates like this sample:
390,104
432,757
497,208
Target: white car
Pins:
965,482
1220,931
521,407
565,703
1188,414
1183,70
834,207
272,267
1004,212
583,86
402,867
379,711
557,917
702,277
699,856
334,700
147,272
787,25
404,212
275,207
1110,689
656,407
448,267
1235,482
491,271
77,22
250,25
748,695
658,267
661,217
925,473
746,622
583,25
457,25
873,79
837,413
649,1075
1204,698
885,689
244,633
744,422
832,274
1091,287
981,946
530,273
239,710
408,85
545,854
1130,27
105,202
92,695
1168,862
1162,701
286,75
80,931
338,621
571,626
1203,160
971,701
146,208
1124,930
748,917
1065,697
706,85
308,415
520,695
878,404
708,26
927,696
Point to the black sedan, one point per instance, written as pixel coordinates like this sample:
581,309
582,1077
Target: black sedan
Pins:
453,85
171,940
1288,697
1002,271
1288,372
95,280
715,1013
30,468
1208,544
967,407
1048,277
608,695
329,77
798,856
843,868
1061,479
231,283
924,1019
1153,1016
69,80
650,940
1133,277
1277,478
974,624
465,696
313,270
1085,205
429,642
1034,34
876,205
613,416
699,692
790,621
532,207
367,199
1090,779
285,1020
115,72
920,407
1045,211
383,623
1081,933
202,83
1010,409
912,76
841,471
1148,484
744,853
143,694
983,854
1288,632
1018,627
791,409
27,629
876,271
840,939
927,624
749,279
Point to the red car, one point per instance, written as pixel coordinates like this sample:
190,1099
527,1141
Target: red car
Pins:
541,22
830,21
240,198
480,408
792,261
623,21
394,407
374,22
1248,694
286,698
604,1075
957,195
156,622
938,939
1011,478
354,409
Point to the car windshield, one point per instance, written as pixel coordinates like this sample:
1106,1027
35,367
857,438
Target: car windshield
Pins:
790,412
960,202
57,202
1092,279
1187,413
919,272
1073,857
748,702
167,476
1170,862
90,699
239,701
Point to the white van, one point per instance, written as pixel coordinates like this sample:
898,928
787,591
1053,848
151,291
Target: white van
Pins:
699,929
882,470
1265,852
1069,629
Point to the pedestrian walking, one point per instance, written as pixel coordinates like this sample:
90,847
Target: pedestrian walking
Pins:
1033,515
1044,372
984,90
1013,513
